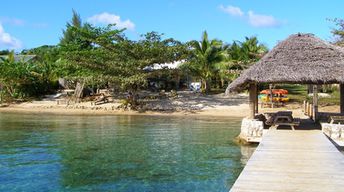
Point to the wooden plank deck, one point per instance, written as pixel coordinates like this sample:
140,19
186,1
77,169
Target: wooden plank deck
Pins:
286,160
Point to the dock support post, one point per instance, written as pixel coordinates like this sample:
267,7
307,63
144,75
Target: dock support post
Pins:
341,98
315,103
252,100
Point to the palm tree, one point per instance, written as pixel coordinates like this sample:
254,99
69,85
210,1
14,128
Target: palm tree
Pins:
253,49
205,55
242,54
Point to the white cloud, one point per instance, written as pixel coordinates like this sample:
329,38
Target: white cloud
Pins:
107,18
257,20
8,41
12,21
234,11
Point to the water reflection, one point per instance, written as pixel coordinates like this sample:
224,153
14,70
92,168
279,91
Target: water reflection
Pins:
246,152
119,153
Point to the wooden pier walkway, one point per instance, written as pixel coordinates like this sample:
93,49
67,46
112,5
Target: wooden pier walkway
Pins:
293,161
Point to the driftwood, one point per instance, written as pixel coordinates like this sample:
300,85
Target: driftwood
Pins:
102,98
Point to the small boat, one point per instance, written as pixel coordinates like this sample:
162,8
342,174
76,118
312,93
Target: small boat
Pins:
278,95
275,91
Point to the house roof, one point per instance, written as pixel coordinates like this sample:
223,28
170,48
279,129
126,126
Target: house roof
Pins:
157,66
301,58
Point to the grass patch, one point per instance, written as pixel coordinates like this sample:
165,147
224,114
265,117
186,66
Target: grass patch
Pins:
333,100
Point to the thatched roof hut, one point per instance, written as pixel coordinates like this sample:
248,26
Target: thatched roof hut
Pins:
301,58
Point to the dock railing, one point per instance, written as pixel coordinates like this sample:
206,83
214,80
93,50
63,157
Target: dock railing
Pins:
308,109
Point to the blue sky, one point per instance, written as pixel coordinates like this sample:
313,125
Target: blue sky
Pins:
28,24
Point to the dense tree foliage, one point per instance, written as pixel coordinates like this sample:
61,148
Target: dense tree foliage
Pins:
70,36
20,79
104,57
211,59
111,58
5,52
46,59
242,54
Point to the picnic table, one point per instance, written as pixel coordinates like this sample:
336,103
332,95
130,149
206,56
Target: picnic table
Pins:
334,119
282,118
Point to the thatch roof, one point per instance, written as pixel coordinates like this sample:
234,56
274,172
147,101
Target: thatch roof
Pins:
301,58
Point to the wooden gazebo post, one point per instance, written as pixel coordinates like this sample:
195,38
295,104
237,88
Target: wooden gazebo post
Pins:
271,96
256,100
315,103
341,87
252,100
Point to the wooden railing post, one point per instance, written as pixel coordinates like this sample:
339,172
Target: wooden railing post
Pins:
307,108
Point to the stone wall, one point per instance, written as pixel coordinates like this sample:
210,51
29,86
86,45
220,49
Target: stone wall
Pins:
251,130
334,131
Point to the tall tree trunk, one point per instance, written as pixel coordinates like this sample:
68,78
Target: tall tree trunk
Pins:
203,85
79,90
177,80
207,85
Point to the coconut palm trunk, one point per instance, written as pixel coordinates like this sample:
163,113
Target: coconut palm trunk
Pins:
206,85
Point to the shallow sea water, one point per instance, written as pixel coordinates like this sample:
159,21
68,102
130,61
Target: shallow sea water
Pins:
119,153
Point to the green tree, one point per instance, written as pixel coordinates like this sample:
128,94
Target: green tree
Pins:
5,52
252,49
72,37
238,56
46,60
242,54
338,32
69,35
19,79
205,54
114,59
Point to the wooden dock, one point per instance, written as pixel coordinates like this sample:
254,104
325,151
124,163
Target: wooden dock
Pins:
286,160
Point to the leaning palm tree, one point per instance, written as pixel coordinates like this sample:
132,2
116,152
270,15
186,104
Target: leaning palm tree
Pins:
205,55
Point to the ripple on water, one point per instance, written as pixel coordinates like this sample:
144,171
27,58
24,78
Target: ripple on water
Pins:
118,153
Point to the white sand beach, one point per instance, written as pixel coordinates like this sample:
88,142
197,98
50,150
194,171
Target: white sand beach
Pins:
186,103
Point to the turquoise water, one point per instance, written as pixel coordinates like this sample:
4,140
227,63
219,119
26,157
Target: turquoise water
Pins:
118,153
